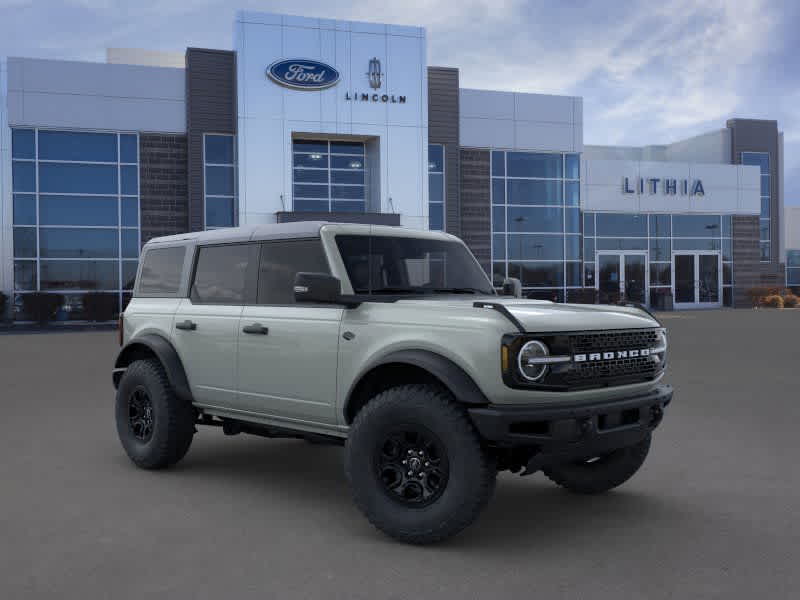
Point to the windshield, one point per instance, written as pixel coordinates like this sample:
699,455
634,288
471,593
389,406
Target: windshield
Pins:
398,265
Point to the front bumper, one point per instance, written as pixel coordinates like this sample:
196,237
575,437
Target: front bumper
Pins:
560,433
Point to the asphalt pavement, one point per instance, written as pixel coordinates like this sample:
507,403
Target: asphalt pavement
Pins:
714,513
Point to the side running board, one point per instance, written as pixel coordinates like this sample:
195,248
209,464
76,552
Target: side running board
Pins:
503,311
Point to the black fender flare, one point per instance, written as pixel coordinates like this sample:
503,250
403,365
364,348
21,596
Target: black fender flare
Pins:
453,377
166,354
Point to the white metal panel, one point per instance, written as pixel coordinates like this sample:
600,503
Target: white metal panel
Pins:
486,133
543,107
364,47
260,97
261,157
486,104
405,147
404,77
6,205
539,135
300,42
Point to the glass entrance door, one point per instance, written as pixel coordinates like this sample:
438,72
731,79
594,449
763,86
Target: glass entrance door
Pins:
622,276
697,279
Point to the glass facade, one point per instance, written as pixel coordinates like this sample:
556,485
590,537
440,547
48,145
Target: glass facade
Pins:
793,268
436,186
328,176
219,168
76,215
658,235
536,221
761,160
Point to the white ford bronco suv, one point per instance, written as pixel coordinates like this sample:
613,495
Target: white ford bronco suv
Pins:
393,343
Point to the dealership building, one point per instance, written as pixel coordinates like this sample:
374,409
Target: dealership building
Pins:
310,119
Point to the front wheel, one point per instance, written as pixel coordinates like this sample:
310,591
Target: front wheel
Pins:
601,473
416,466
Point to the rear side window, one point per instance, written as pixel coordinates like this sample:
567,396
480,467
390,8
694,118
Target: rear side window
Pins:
161,271
220,276
281,261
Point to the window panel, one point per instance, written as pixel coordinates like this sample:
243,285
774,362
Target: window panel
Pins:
727,249
573,274
129,180
621,243
347,192
763,229
435,158
542,274
130,243
727,273
436,216
23,176
660,249
521,191
311,175
161,271
660,226
538,220
498,163
793,258
128,148
498,273
279,264
766,251
77,179
220,274
572,246
310,191
765,185
24,209
347,148
311,205
78,243
530,164
79,275
436,187
357,177
25,275
77,146
661,274
696,225
727,297
129,273
498,218
588,274
765,208
588,224
219,181
793,277
621,225
219,149
588,249
347,162
573,166
572,220
347,206
219,212
759,159
727,226
498,191
310,146
535,247
130,212
24,242
314,161
77,210
572,191
23,143
499,246
695,244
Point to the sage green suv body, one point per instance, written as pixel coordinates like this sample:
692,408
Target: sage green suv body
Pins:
395,342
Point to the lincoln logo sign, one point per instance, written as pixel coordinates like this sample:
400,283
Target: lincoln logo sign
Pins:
302,74
667,186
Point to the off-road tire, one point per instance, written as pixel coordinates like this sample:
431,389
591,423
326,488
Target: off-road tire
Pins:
471,471
605,473
172,418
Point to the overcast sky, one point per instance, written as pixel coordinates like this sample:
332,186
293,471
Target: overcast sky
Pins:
650,72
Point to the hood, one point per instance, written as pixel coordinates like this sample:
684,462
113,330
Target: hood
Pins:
543,316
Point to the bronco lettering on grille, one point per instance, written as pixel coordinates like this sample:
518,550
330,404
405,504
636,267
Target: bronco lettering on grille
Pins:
595,356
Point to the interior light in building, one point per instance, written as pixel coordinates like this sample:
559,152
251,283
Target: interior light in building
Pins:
316,156
355,164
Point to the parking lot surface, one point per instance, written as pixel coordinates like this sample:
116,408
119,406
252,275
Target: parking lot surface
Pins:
714,513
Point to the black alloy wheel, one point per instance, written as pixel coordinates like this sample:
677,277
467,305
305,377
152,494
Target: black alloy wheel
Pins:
412,465
140,414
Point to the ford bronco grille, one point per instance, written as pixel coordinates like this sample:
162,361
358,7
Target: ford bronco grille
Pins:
617,368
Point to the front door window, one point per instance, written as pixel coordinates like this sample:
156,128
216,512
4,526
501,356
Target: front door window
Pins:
697,279
622,277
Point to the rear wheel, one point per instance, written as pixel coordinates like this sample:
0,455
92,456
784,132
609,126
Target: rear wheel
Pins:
416,466
601,473
154,426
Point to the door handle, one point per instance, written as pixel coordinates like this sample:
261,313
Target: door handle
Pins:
256,328
187,325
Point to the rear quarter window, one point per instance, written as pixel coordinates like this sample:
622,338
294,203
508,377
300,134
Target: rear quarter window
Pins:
161,271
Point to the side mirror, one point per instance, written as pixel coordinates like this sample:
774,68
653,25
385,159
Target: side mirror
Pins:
512,287
317,287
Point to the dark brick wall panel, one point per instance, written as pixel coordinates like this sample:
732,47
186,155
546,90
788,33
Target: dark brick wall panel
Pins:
476,216
210,108
443,129
163,186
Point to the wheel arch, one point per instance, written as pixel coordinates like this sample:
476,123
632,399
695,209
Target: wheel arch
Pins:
151,345
411,366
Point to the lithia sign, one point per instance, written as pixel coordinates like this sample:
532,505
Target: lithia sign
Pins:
306,74
667,186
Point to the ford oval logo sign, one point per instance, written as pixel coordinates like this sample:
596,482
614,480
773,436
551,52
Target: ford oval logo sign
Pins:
303,74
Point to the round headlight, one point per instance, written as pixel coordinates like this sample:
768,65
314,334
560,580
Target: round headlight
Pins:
529,367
